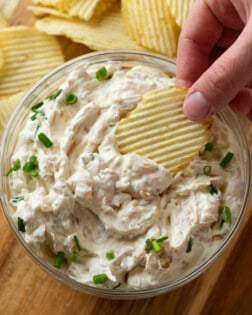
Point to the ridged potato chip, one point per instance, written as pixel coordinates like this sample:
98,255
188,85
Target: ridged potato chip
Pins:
40,11
159,130
1,59
3,22
28,55
62,5
180,9
7,105
78,8
151,24
90,8
107,33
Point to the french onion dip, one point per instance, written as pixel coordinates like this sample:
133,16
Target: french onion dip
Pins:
112,220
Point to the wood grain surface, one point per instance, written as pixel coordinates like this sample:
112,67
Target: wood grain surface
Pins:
25,289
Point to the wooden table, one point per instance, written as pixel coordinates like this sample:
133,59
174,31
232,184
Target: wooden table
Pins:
25,289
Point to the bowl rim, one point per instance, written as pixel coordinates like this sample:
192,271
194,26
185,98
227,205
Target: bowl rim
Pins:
61,275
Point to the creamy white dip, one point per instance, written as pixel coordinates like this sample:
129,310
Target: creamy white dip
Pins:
113,203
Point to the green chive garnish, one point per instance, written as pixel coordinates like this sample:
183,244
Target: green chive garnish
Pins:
207,170
31,167
189,244
71,98
17,199
45,140
156,246
209,147
116,286
212,189
110,255
74,256
161,239
77,243
21,224
54,95
226,160
148,244
225,215
15,166
101,73
59,260
39,112
10,170
37,106
100,278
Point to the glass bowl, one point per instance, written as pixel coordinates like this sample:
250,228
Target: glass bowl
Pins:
48,84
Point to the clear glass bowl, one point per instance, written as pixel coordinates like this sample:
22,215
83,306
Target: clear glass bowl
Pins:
50,83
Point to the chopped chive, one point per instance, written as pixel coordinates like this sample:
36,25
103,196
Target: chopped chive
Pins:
59,260
74,256
226,160
37,106
21,224
10,170
161,239
225,215
212,189
31,167
45,140
54,95
110,255
39,112
189,244
101,73
117,286
209,147
77,243
156,246
148,244
207,170
33,117
100,278
71,98
17,199
16,165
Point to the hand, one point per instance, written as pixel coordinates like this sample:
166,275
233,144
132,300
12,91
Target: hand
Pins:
215,57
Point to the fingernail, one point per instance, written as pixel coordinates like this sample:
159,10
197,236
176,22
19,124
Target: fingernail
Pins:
196,107
184,83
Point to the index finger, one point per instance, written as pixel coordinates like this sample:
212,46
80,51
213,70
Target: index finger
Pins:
201,32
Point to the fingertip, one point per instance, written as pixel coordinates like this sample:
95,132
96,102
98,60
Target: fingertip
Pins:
196,107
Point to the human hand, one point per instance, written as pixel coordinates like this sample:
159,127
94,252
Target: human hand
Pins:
215,57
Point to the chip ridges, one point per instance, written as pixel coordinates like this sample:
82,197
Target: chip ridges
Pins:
180,9
7,105
159,130
98,34
151,24
84,10
28,55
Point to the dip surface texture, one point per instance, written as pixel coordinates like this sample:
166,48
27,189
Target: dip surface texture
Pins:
99,207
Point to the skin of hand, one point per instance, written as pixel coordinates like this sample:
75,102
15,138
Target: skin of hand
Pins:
215,58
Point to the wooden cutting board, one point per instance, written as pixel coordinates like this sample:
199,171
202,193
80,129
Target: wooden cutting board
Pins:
25,289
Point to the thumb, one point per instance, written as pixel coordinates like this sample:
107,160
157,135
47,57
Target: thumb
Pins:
222,81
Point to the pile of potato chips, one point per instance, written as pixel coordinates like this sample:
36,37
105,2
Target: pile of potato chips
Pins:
25,56
113,24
